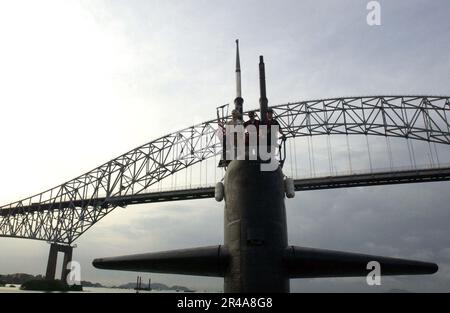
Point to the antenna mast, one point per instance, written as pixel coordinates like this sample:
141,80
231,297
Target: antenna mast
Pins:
238,102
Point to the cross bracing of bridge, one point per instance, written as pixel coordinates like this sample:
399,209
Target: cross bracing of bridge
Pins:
63,213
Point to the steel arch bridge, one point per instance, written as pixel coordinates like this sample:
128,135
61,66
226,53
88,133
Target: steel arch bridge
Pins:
63,213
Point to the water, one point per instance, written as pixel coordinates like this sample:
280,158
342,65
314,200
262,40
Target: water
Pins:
16,289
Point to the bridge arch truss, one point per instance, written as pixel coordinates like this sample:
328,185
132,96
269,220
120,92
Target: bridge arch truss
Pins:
63,213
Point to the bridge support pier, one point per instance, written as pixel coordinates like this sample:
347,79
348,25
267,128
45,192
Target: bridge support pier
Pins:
53,258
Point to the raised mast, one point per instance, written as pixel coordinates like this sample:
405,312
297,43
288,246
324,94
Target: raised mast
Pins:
263,102
238,102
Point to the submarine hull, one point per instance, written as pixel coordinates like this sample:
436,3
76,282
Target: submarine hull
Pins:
255,229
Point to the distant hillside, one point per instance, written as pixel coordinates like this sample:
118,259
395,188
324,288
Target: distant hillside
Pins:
85,283
155,286
20,278
399,291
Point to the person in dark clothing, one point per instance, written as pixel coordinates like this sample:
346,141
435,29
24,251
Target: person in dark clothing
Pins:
250,131
271,121
252,120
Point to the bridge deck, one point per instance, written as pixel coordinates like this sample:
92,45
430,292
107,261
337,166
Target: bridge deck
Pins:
329,182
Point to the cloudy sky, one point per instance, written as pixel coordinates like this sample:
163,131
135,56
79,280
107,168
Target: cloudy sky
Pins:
84,81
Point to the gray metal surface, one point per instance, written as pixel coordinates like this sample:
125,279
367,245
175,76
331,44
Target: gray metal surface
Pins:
301,262
255,230
255,256
202,261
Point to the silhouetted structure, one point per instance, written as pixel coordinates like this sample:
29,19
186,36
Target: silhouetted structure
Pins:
53,258
255,256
